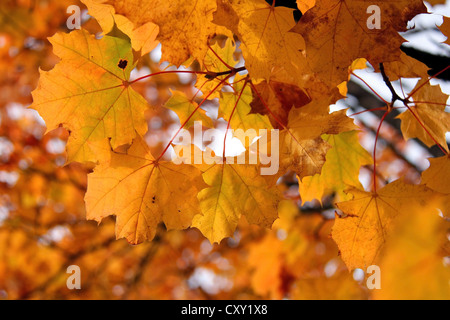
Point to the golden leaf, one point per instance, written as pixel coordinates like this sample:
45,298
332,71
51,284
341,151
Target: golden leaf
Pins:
88,93
336,33
234,190
143,192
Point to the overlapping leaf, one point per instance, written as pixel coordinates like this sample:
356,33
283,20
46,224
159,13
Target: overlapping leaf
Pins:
279,97
341,168
305,5
234,190
405,67
302,149
445,28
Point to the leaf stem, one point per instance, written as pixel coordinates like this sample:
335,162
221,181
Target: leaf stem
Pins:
368,110
371,89
192,114
405,101
375,152
423,84
167,72
220,59
209,74
388,83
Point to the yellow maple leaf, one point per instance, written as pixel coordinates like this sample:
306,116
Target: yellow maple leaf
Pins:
88,93
143,192
369,218
302,149
358,64
336,34
234,190
428,118
341,168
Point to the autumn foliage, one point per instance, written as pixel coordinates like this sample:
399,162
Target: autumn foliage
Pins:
90,121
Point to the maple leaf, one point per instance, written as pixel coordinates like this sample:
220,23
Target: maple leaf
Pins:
234,190
143,38
189,29
302,149
264,34
88,93
414,257
142,192
336,34
427,116
280,97
340,170
369,218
